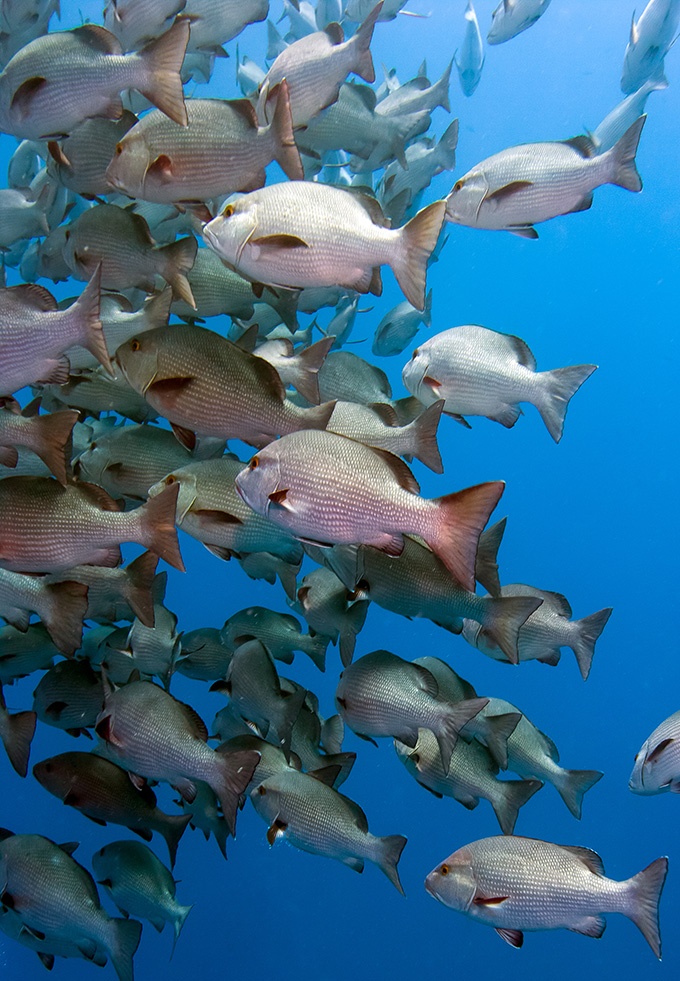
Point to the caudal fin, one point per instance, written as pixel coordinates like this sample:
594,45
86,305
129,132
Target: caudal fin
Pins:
572,786
644,893
86,309
452,720
353,622
172,827
363,64
16,737
123,945
586,634
308,362
286,152
623,170
140,580
556,391
441,87
163,59
229,779
179,916
176,260
157,526
417,241
387,854
64,613
458,523
424,432
53,435
315,648
447,146
497,731
504,617
486,562
512,794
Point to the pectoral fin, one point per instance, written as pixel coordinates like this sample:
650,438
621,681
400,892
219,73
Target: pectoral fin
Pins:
280,241
507,191
489,901
513,937
277,828
280,499
523,231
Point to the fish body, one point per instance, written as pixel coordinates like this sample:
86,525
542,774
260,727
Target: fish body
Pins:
377,426
79,161
470,57
214,22
203,655
136,22
651,36
279,632
511,17
48,436
25,651
657,767
115,594
523,185
215,289
62,607
522,884
398,327
94,392
417,95
69,696
623,115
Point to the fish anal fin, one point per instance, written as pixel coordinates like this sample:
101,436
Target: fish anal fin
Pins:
590,926
523,231
513,937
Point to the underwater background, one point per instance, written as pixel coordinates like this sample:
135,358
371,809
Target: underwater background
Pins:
592,517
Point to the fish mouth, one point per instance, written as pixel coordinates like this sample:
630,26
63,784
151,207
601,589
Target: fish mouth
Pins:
430,888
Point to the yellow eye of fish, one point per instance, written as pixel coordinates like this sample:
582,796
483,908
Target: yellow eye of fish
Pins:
170,479
457,186
254,463
119,148
135,345
261,790
228,211
415,353
416,758
444,870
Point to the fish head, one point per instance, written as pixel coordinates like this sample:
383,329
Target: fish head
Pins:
259,482
651,774
187,494
138,360
266,800
56,775
415,371
129,165
466,198
229,233
452,882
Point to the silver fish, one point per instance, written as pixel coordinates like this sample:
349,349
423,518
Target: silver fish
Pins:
400,189
651,36
326,604
471,59
398,327
61,606
657,768
79,161
511,17
136,22
214,22
280,633
622,116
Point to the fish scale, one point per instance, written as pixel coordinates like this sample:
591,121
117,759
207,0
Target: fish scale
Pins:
216,290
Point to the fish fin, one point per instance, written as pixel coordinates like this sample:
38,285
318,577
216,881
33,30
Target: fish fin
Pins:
453,718
458,523
47,960
177,259
513,937
590,859
573,784
523,231
507,415
354,863
280,499
388,853
57,154
309,361
17,740
54,432
233,776
400,472
184,436
172,828
361,42
291,709
22,100
86,309
318,416
624,171
158,529
287,153
375,285
504,618
507,191
206,517
513,795
280,241
658,750
126,935
391,545
9,456
551,657
425,437
276,830
590,926
169,389
163,59
584,204
486,560
220,551
64,618
58,373
588,631
327,775
334,33
140,575
160,170
344,762
556,389
644,892
583,145
489,901
498,729
417,240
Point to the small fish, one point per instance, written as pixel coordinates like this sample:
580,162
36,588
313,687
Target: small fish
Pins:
70,697
511,17
348,378
328,489
523,185
651,37
304,810
417,95
481,372
139,884
299,369
377,425
398,327
154,650
61,606
214,22
400,188
280,633
136,22
301,234
623,115
57,81
471,60
657,768
94,392
25,651
22,216
203,655
521,884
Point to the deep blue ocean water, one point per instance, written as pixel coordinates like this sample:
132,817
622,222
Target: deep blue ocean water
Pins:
592,518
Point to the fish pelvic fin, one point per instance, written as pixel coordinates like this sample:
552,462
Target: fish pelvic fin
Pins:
172,828
417,242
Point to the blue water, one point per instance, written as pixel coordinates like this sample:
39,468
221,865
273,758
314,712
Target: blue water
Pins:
592,518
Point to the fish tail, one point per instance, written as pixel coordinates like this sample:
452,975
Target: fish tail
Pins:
86,309
622,156
332,734
642,906
387,854
156,310
572,786
316,651
287,153
447,146
172,828
345,761
229,780
427,312
178,920
158,531
497,731
424,430
318,416
362,43
452,720
17,740
293,702
352,625
141,574
587,632
458,524
123,944
512,794
54,435
64,615
417,240
442,89
486,561
309,361
504,619
177,259
556,390
163,59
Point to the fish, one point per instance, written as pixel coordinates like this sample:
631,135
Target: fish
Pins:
215,290
346,377
35,335
290,483
119,241
521,884
511,17
548,629
59,80
656,767
105,793
80,160
112,594
315,67
203,655
69,696
94,391
328,607
623,115
417,95
480,371
399,326
45,527
215,22
56,896
471,59
48,945
48,436
136,22
302,809
16,734
280,633
400,188
297,368
62,606
249,75
205,814
22,216
24,652
150,733
470,776
154,650
272,758
381,694
222,150
377,425
523,185
302,234
651,37
139,884
44,258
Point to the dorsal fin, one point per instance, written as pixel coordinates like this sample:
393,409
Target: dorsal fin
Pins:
400,471
248,339
326,774
589,858
36,297
334,32
427,681
385,411
246,110
360,818
97,495
196,722
98,38
583,145
364,93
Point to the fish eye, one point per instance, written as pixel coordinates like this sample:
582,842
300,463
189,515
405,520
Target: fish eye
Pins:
261,790
119,149
228,211
254,463
135,344
170,479
415,757
416,352
444,870
457,186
